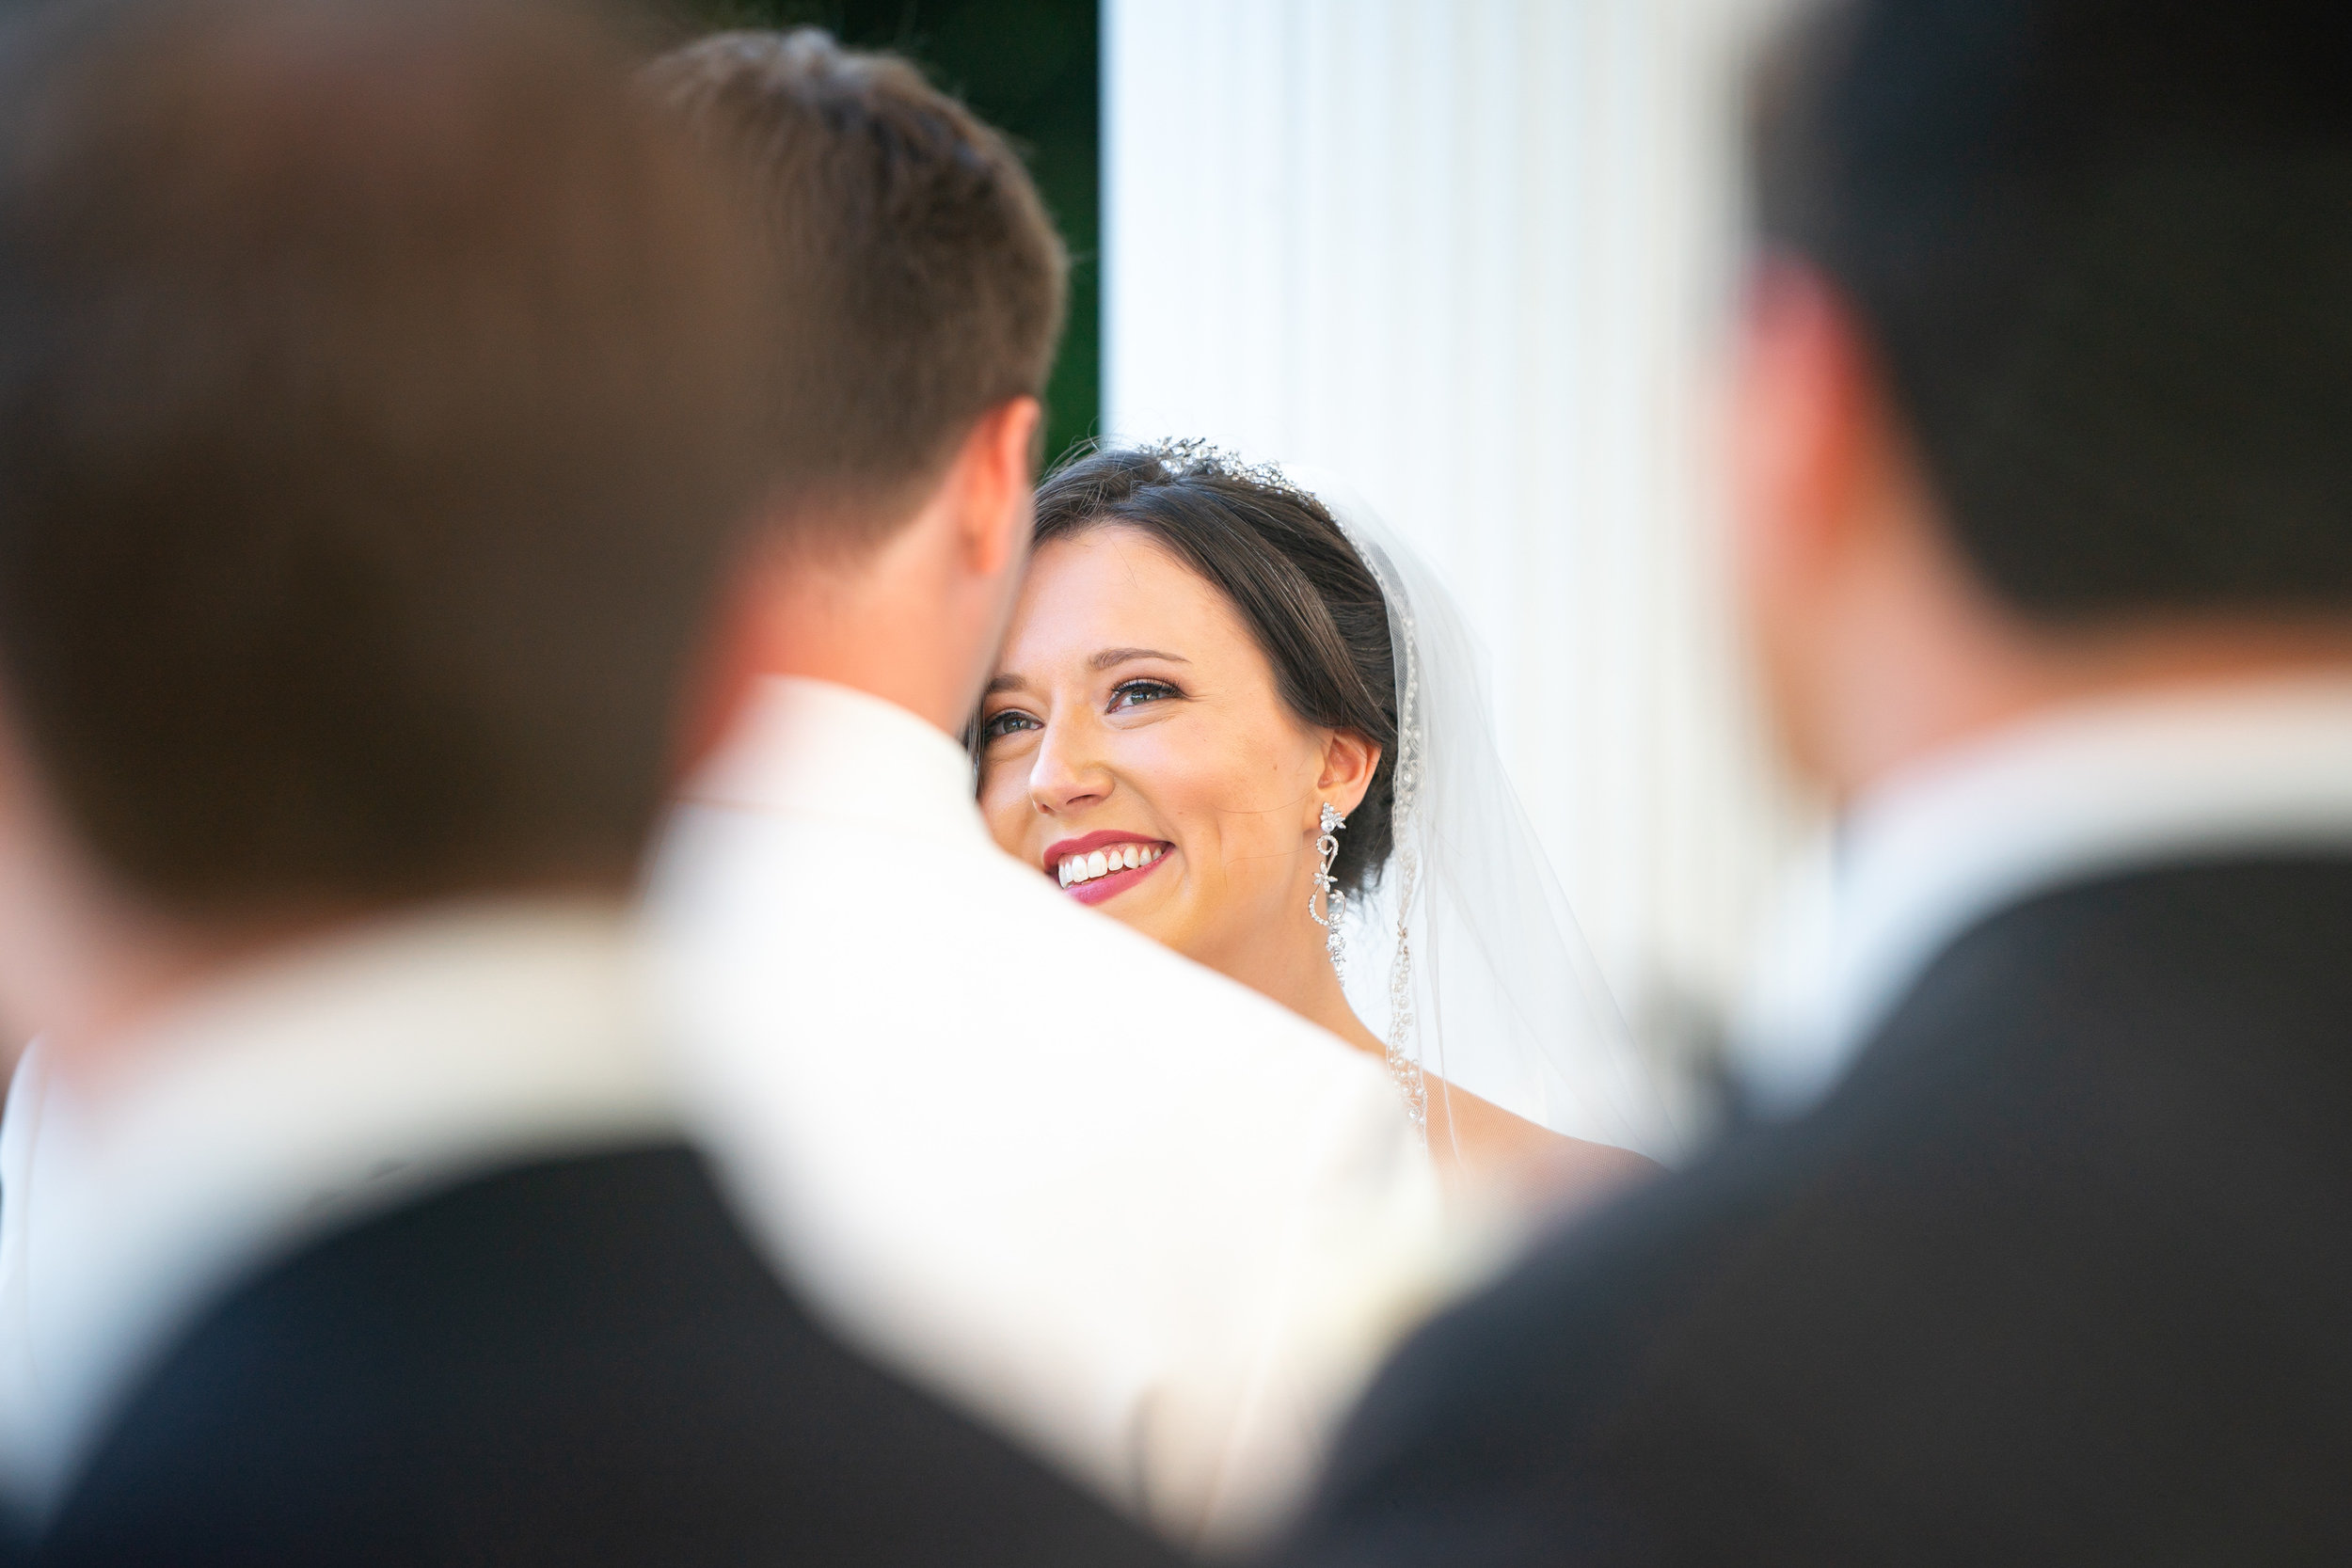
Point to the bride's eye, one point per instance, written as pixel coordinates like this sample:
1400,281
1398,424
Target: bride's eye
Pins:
1135,694
1011,721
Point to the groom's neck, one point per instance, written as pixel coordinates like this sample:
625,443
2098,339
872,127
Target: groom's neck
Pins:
910,609
896,624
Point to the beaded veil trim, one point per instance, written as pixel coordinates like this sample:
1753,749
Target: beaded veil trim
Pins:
1193,456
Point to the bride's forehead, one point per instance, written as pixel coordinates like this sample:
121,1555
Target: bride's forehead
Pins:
1117,575
1120,589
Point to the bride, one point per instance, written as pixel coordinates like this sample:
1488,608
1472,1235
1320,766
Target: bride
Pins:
1253,732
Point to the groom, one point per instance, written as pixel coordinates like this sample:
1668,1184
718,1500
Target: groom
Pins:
1153,1224
2046,456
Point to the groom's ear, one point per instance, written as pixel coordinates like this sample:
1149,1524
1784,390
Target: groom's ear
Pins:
1349,762
997,472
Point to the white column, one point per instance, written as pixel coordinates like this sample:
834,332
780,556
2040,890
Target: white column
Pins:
1474,255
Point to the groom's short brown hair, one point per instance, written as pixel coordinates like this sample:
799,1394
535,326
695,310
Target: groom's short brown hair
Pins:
933,277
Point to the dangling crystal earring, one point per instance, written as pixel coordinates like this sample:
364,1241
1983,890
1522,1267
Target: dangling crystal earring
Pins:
1327,889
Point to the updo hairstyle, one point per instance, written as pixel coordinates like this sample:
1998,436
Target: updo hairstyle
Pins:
1274,552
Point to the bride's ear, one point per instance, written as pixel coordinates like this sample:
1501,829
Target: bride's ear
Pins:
1349,762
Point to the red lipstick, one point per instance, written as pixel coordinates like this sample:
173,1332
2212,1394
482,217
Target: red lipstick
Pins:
1112,883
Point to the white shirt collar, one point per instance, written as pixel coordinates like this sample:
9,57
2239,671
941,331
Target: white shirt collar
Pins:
284,1101
2072,795
811,748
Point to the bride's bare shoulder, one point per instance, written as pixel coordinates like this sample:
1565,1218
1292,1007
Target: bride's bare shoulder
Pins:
1486,1143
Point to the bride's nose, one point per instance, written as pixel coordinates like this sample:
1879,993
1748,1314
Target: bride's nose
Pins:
1064,771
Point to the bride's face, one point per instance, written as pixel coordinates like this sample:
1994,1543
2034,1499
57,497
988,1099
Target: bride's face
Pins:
1138,753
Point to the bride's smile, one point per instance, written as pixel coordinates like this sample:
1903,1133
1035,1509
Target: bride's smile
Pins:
1096,868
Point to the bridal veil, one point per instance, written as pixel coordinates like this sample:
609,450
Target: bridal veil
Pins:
1465,957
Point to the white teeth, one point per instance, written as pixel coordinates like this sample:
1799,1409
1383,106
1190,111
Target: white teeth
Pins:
1075,869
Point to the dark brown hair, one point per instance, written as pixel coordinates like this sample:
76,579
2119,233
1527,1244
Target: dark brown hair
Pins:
375,410
936,277
1274,552
2100,250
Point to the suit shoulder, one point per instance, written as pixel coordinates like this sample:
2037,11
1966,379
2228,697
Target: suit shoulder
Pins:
579,1360
1617,1272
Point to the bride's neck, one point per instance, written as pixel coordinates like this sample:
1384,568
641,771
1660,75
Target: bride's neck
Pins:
1303,980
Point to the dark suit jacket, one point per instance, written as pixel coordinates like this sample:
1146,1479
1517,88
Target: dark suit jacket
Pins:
2061,1273
580,1362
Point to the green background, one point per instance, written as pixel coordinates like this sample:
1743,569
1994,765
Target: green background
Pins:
1030,68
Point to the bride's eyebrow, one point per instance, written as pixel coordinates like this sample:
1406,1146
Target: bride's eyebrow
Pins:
1110,657
1006,682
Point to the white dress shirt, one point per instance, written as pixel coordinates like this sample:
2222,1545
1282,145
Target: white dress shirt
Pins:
1147,1221
306,1090
2193,773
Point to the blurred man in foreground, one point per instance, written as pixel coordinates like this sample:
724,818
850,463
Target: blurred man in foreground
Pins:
377,396
1157,1224
2047,546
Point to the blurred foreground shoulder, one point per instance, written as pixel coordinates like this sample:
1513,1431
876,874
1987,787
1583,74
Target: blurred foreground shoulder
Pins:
1529,1425
576,1361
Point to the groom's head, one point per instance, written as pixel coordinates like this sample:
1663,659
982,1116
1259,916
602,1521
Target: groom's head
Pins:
2048,376
907,419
